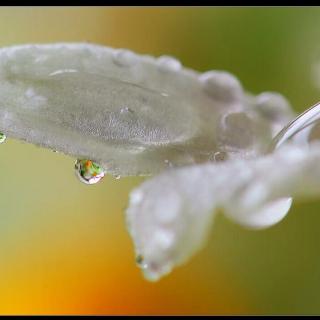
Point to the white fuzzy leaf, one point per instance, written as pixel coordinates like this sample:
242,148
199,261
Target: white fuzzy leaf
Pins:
133,114
169,216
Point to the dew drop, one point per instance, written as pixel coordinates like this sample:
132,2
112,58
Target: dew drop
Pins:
273,105
124,58
2,137
167,63
140,262
222,85
236,130
88,171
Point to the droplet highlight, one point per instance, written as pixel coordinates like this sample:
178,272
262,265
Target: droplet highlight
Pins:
140,262
88,171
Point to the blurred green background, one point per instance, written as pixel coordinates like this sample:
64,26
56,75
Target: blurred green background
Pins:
64,246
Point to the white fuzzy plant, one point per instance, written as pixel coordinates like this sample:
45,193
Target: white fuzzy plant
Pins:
209,144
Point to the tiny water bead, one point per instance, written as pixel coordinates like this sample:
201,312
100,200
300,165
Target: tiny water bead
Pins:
140,262
273,106
2,137
167,63
124,58
222,85
151,271
88,171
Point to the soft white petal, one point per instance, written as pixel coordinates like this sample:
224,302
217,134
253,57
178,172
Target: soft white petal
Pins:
132,113
182,202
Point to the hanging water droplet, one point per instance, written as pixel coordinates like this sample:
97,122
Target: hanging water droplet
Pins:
140,262
302,130
2,137
88,171
117,177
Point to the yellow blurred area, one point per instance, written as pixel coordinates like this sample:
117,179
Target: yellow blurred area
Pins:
142,29
64,246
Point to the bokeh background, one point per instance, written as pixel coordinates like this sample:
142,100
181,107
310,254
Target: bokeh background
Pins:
64,247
